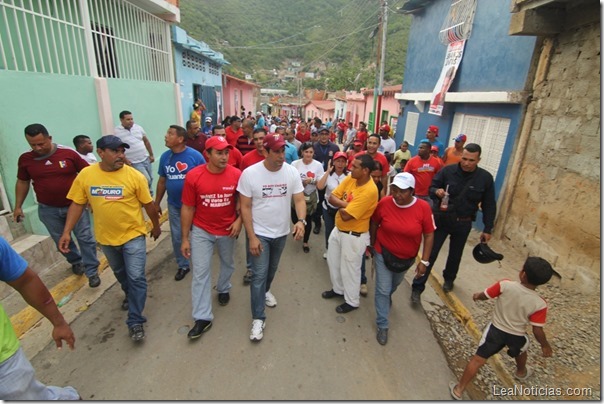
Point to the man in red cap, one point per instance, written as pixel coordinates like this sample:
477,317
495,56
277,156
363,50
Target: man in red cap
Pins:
431,136
211,214
266,191
387,145
453,153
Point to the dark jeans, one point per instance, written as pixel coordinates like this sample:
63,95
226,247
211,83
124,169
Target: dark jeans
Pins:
330,223
316,216
446,225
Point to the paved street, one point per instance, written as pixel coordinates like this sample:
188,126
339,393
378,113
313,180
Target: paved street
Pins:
309,352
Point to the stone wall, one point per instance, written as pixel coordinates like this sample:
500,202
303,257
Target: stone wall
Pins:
555,208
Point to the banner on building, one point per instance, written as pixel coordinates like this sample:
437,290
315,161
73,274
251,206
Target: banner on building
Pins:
452,60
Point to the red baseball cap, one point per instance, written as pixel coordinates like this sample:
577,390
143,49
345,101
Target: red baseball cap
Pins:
340,154
218,143
385,127
273,142
433,128
358,142
434,148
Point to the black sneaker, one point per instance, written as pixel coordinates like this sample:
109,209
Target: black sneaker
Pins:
78,269
447,286
199,328
180,274
94,281
317,229
247,278
137,332
382,336
415,296
345,308
125,304
223,298
330,294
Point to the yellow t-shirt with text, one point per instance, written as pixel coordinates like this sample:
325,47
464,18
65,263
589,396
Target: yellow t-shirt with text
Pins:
362,201
116,198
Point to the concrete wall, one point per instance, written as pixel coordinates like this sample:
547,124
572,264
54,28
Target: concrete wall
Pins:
65,105
555,207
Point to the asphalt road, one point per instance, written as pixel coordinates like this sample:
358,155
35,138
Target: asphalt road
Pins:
309,352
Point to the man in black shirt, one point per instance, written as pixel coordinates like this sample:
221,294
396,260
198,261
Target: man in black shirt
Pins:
324,151
468,187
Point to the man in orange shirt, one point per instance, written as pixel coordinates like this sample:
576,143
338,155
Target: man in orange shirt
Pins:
453,153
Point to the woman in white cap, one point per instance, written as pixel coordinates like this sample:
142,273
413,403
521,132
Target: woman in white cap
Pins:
398,225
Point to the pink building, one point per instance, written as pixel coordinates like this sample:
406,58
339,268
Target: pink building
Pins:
390,107
239,96
355,108
323,109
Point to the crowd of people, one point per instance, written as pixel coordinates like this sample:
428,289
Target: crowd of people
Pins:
258,174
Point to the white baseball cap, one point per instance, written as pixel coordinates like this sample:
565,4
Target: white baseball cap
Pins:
404,181
208,119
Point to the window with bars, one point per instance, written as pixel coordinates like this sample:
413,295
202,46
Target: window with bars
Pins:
50,37
194,61
489,132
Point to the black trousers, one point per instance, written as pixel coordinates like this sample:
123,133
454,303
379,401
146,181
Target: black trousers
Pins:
458,231
316,216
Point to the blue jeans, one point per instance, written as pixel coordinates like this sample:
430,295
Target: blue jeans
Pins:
54,220
145,168
363,270
18,382
202,247
176,236
386,283
264,268
128,264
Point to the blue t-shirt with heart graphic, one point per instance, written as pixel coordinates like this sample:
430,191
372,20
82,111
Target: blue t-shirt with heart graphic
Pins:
174,167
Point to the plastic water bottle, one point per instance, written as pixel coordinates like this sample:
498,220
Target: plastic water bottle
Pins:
444,203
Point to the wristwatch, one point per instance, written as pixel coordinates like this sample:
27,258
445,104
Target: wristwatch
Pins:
303,221
426,263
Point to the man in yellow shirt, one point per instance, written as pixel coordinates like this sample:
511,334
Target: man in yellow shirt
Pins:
116,192
355,198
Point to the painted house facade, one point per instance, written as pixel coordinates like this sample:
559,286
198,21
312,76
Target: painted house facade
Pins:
239,96
527,90
105,56
198,71
323,109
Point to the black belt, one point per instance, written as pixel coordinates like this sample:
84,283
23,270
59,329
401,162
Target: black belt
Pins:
352,233
464,219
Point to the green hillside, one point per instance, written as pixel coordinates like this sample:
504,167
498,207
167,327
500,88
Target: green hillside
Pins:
329,37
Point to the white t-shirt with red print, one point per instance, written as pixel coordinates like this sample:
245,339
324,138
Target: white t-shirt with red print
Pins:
312,170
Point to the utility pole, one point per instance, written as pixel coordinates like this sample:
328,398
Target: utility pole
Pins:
379,88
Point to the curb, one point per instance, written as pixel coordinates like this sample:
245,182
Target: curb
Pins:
27,318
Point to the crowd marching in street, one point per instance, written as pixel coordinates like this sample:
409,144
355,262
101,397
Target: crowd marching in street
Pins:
260,175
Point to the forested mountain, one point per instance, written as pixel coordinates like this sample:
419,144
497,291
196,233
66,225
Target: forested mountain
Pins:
335,38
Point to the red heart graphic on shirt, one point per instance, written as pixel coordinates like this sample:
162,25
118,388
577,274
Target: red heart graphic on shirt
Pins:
181,166
310,174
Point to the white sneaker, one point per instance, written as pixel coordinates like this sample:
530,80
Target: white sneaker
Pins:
325,255
256,333
269,299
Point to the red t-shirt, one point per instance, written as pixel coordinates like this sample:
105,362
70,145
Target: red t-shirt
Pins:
235,157
251,159
378,157
231,136
52,175
198,142
401,229
362,136
303,137
213,196
423,171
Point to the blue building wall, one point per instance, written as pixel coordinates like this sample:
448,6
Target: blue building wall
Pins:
188,75
492,61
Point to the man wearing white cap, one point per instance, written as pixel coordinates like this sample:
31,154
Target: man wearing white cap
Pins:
259,121
207,128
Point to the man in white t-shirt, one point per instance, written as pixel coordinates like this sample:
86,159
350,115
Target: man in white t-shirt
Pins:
140,154
387,145
83,145
266,190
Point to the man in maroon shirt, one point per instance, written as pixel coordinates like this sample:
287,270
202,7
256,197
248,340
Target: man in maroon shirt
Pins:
196,139
52,168
245,142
